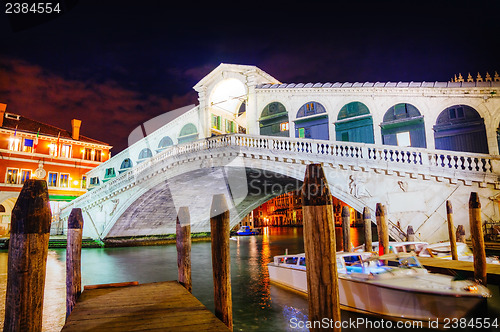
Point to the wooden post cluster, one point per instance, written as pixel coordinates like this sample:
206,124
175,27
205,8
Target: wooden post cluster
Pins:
319,244
451,231
220,233
477,236
27,258
367,218
73,259
183,241
346,229
382,228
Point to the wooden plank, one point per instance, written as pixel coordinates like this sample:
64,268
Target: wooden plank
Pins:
465,268
162,306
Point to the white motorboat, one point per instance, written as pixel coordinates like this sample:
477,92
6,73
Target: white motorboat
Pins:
404,292
443,250
397,247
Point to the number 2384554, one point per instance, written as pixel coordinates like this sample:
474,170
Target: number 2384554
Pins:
32,8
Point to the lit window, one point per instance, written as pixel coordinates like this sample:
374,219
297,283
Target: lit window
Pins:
98,155
53,149
403,138
284,126
216,122
52,179
230,126
64,180
84,181
12,175
88,154
28,145
15,144
66,151
25,175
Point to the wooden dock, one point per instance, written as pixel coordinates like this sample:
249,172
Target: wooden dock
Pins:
489,245
161,306
464,269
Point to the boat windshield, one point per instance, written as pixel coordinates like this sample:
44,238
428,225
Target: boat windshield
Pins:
409,262
302,261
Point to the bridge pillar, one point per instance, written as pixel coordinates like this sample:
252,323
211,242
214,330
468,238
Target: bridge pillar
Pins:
252,111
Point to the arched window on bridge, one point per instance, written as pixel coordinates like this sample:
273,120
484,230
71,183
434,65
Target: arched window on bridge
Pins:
94,182
109,174
274,120
2,208
188,133
144,154
312,121
403,125
126,165
354,124
165,142
460,128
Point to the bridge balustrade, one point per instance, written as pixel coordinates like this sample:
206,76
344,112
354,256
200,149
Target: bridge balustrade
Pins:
454,165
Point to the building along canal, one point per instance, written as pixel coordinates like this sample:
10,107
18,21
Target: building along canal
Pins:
258,305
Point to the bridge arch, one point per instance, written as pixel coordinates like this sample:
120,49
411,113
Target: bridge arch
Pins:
354,123
403,125
188,133
312,121
227,104
460,128
274,121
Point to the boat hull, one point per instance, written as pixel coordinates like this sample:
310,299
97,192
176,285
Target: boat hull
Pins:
380,300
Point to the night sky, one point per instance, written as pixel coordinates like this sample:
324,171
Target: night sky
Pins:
117,64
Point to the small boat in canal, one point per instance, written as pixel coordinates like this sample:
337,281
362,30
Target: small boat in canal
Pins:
246,230
404,292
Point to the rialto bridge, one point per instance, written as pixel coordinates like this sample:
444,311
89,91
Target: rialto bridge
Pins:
408,145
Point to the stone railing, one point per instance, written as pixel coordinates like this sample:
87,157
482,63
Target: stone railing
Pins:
450,165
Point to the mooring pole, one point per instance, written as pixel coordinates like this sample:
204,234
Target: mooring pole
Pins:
451,231
461,233
27,258
476,230
319,244
183,241
410,236
383,234
367,217
73,259
219,227
346,229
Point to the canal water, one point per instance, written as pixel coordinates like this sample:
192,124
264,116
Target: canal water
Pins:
258,305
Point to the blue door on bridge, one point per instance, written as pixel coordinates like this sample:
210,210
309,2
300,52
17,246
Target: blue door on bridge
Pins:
312,121
460,128
354,124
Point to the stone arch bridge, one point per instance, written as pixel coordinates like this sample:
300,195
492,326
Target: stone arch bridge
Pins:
413,183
